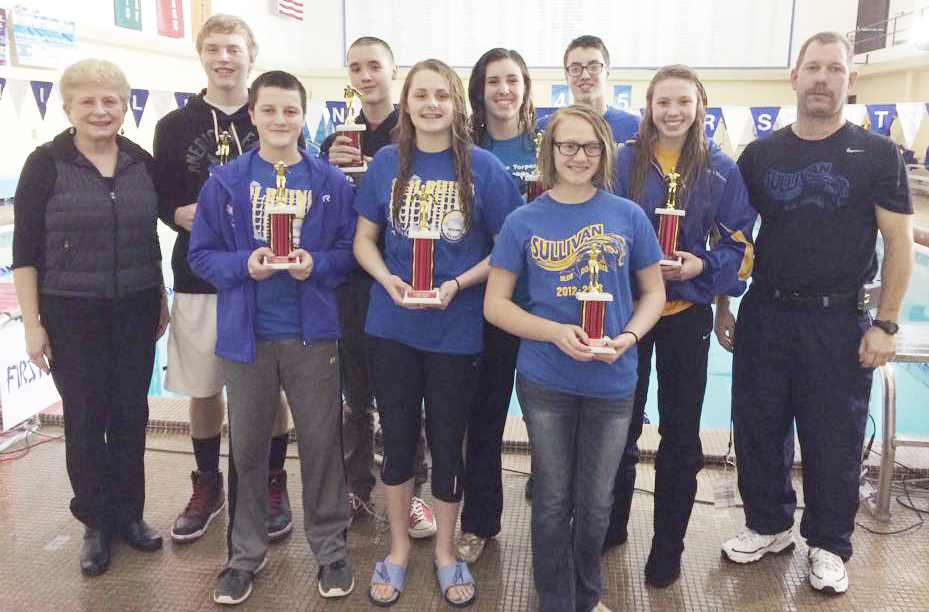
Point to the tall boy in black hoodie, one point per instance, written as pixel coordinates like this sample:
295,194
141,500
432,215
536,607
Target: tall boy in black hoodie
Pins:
187,143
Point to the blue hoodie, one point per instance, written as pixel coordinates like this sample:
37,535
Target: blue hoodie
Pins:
221,242
720,202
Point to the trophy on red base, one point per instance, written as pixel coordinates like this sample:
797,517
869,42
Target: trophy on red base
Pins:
669,223
534,186
352,130
223,147
593,301
423,238
280,224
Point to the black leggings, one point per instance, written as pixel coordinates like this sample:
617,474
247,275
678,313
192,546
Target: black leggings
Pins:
403,378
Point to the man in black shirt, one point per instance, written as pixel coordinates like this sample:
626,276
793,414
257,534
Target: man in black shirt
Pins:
803,349
371,70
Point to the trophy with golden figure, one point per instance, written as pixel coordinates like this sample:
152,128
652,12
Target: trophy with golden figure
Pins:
223,147
534,186
423,237
353,131
593,301
669,222
280,224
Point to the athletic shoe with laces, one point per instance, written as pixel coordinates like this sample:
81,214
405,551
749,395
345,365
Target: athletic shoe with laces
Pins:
422,523
827,572
280,520
206,501
233,586
750,546
335,579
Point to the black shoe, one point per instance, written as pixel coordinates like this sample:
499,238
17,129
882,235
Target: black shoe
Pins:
95,554
280,520
529,488
335,579
140,536
662,568
613,539
206,502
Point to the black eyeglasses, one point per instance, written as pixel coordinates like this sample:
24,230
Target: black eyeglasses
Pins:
592,69
570,149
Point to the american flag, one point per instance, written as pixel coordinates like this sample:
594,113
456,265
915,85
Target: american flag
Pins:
290,8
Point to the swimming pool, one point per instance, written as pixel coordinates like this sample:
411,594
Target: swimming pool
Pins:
912,379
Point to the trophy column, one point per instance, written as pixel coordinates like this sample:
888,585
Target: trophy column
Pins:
593,301
423,255
669,223
280,224
352,130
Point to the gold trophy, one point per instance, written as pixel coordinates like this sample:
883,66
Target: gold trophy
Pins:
534,187
280,223
223,147
423,238
352,130
669,222
593,301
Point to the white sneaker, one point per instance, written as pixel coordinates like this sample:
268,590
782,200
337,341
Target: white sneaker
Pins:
750,546
827,572
422,523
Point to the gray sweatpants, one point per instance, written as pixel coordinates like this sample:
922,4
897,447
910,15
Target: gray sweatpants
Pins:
309,376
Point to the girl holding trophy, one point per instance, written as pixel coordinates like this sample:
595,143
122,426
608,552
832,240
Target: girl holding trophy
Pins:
439,203
502,122
690,189
579,249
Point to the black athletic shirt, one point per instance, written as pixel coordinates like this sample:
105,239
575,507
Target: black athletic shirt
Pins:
816,199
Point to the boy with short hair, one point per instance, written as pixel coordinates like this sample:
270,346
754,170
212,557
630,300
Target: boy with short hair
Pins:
278,329
185,146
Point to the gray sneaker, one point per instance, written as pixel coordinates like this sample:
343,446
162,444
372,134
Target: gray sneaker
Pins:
335,579
279,522
235,585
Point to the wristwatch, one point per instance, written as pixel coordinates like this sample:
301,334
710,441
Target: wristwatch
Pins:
888,326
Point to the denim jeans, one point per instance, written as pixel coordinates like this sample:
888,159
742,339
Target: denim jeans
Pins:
576,443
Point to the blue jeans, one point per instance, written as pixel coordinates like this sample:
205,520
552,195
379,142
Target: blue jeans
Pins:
576,444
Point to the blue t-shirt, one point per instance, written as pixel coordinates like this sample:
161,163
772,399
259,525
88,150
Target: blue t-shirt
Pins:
517,155
277,304
458,328
624,125
547,242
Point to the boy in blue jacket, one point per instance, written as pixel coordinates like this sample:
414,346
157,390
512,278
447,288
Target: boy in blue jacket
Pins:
278,328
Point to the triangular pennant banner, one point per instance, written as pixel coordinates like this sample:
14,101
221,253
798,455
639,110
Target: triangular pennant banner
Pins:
880,116
160,101
786,116
911,116
137,100
181,98
336,113
855,113
17,91
41,90
738,125
2,87
714,117
764,118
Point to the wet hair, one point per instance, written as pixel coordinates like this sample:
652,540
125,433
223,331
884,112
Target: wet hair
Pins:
694,157
93,71
279,79
829,38
603,177
587,42
404,136
373,40
476,94
228,24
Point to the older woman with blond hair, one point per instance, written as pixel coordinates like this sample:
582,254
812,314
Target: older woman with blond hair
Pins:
87,268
